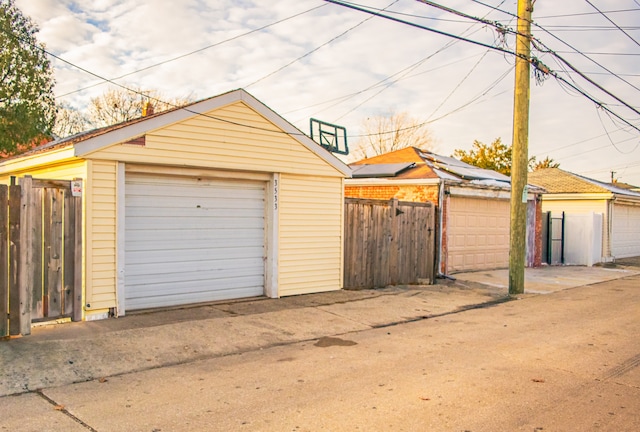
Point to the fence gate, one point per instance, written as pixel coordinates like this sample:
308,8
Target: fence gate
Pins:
388,243
553,238
43,246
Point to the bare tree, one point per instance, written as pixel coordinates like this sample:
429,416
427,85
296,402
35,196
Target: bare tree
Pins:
69,121
387,133
119,105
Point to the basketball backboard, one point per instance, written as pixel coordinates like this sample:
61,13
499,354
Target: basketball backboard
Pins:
329,136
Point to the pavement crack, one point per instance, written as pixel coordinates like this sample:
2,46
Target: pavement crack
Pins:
61,408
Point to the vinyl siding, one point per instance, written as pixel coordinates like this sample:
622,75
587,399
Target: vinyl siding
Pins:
100,232
310,234
60,171
221,140
582,207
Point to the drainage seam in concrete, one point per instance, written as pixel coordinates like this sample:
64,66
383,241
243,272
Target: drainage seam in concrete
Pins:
64,411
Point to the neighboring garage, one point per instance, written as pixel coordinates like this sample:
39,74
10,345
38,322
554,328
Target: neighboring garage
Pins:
625,230
571,193
221,199
478,233
473,205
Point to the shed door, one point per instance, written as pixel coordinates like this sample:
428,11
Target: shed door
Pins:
190,240
625,231
477,234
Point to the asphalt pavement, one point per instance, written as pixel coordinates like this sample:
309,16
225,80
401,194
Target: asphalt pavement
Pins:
61,354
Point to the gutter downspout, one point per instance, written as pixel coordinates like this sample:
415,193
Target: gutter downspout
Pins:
440,269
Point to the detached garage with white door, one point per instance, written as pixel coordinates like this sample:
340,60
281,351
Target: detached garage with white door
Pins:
618,207
221,199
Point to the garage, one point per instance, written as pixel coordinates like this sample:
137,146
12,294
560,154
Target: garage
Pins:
477,234
192,239
625,230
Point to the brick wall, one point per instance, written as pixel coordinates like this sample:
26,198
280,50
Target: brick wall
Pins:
411,193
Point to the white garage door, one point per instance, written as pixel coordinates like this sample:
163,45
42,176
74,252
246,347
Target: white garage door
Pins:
191,240
625,231
477,234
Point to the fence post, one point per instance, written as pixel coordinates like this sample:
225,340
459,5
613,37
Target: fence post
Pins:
77,249
14,258
25,274
4,270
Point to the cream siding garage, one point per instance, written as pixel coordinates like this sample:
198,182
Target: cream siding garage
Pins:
625,231
477,234
292,182
192,239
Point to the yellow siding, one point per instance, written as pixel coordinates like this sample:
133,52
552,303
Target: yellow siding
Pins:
60,171
575,206
310,234
209,142
100,199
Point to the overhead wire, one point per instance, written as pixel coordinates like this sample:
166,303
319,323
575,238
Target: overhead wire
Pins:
612,22
588,13
535,24
149,97
316,49
181,56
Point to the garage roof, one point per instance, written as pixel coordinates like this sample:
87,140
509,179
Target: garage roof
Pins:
87,142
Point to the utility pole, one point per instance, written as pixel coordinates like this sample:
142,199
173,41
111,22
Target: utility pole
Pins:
520,151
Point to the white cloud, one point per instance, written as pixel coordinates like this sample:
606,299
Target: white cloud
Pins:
114,37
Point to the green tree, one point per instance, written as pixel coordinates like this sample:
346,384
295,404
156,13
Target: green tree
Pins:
495,156
27,106
545,163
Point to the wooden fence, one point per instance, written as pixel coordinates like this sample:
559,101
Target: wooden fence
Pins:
388,243
41,241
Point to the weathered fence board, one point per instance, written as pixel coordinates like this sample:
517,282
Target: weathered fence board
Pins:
4,256
388,243
43,247
14,259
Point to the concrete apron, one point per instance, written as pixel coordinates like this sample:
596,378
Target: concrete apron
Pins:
67,353
547,279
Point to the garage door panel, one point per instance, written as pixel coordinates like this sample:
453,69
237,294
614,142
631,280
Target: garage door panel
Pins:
158,262
175,239
164,300
625,231
191,240
477,234
195,286
161,224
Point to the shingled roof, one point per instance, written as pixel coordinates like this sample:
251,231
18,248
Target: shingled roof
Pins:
555,180
425,165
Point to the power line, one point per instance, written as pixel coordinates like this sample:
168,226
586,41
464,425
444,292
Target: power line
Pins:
567,44
588,13
446,46
501,28
146,95
611,21
315,49
535,62
197,51
440,32
562,41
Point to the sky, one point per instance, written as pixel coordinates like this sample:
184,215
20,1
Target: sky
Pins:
310,58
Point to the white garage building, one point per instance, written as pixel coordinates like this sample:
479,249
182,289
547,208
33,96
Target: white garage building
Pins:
620,208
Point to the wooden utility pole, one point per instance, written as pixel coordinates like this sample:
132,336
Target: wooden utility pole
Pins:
520,151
